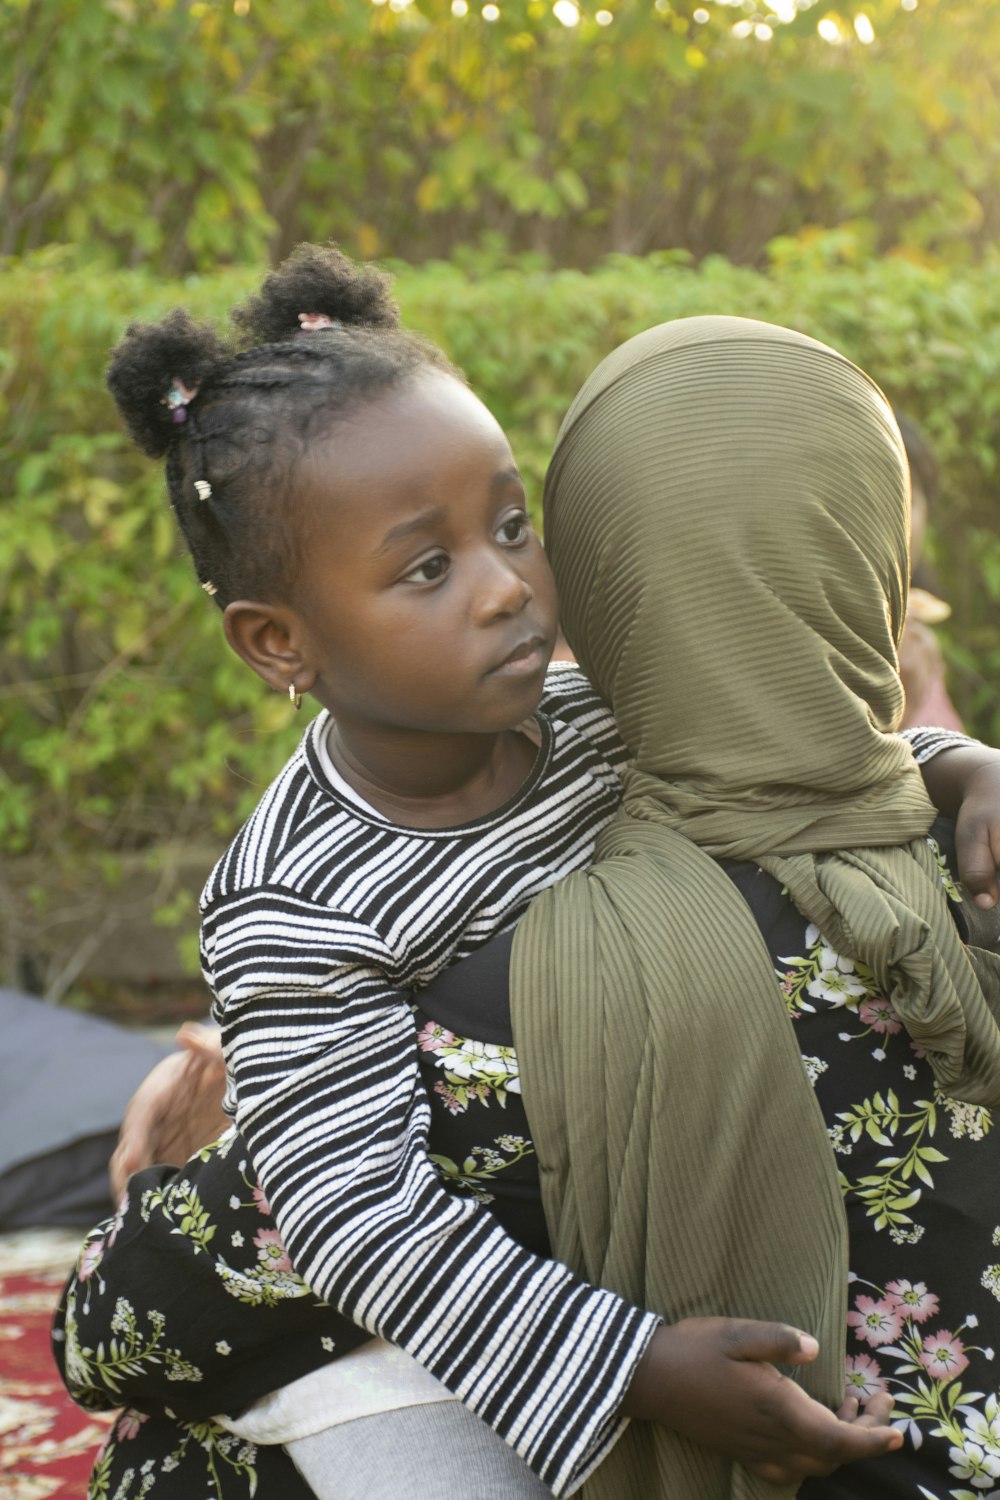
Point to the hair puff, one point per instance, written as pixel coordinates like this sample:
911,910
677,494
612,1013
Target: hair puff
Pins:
146,362
316,279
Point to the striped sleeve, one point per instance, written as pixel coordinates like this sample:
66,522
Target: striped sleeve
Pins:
329,1100
570,698
926,742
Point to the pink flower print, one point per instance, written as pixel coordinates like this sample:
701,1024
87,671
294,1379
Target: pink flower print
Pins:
271,1250
451,1100
943,1355
880,1016
863,1377
263,1207
119,1219
434,1038
128,1424
917,1050
876,1322
93,1254
913,1299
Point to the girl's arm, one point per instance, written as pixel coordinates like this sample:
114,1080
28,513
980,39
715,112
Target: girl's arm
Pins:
332,1111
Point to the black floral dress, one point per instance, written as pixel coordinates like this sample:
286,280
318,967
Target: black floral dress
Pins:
920,1175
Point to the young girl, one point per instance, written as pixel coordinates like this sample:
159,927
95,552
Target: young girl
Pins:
358,516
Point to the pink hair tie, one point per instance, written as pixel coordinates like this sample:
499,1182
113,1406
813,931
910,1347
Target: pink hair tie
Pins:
313,322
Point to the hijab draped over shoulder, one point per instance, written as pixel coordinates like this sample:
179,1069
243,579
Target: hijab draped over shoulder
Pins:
726,514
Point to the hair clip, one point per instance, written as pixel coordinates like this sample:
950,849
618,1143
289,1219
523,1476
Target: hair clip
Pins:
203,489
313,322
178,397
209,587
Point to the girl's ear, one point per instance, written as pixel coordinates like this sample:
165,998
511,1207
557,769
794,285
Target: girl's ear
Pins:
271,639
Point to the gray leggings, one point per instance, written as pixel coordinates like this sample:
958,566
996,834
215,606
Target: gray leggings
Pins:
432,1452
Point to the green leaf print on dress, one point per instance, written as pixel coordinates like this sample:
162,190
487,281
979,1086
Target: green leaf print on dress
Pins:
472,1070
95,1375
140,1342
222,1454
823,975
899,1323
482,1164
893,1186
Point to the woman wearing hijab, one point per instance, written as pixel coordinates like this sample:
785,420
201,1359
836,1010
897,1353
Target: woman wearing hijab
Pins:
726,514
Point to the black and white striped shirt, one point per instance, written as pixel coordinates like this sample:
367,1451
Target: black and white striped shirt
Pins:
317,922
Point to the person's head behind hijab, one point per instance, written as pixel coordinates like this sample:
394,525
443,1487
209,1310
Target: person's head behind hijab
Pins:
726,513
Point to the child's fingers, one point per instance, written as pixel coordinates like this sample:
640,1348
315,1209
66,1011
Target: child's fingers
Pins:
977,837
769,1343
877,1412
977,846
813,1441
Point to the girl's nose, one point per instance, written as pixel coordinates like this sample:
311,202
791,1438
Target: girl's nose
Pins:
502,590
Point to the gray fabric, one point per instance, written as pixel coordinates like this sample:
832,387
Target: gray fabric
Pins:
430,1452
65,1079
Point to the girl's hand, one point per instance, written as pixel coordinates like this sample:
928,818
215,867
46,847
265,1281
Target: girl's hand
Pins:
977,832
714,1381
176,1109
964,784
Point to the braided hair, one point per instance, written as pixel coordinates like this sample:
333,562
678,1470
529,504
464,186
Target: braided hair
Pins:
233,419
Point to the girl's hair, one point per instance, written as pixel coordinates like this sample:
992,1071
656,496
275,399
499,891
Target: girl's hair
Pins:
234,419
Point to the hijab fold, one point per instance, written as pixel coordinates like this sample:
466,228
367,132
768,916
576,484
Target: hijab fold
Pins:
726,513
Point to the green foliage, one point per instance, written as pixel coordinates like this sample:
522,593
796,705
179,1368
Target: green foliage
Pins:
189,133
128,730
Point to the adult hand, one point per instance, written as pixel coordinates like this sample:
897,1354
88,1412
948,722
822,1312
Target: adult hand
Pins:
176,1109
714,1381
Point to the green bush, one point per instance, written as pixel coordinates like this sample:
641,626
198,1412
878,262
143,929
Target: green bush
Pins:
128,731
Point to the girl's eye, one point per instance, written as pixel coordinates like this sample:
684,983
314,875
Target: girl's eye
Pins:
429,571
515,529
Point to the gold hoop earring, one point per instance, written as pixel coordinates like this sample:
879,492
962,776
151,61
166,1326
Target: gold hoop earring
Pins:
294,696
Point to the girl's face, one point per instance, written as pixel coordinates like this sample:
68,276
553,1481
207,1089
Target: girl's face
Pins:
424,599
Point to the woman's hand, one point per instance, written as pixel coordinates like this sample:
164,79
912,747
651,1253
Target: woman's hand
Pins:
176,1109
714,1381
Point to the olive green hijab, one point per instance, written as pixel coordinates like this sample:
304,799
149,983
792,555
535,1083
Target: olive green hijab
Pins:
726,513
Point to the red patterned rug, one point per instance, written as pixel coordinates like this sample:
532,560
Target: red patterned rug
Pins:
47,1445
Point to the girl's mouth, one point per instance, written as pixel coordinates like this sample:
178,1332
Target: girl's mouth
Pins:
525,659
